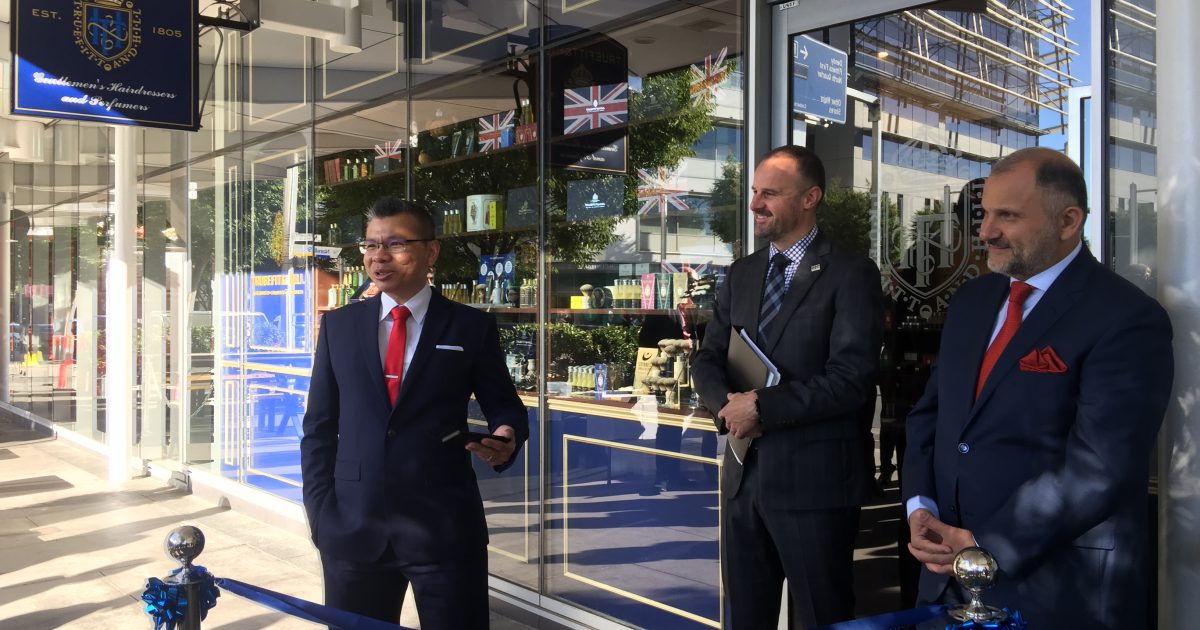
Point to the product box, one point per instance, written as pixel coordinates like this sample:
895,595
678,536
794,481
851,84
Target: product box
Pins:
485,212
647,290
679,287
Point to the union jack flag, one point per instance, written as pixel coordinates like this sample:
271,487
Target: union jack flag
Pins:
705,82
594,107
657,189
495,131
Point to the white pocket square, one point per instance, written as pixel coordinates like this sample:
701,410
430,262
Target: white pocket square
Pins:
455,348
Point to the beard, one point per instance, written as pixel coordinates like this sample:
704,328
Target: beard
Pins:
1025,262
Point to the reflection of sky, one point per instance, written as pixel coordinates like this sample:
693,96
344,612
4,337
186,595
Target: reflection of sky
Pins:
1079,30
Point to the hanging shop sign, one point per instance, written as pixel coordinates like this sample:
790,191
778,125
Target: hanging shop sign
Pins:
589,105
127,62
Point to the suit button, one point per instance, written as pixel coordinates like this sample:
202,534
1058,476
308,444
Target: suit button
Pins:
963,448
391,433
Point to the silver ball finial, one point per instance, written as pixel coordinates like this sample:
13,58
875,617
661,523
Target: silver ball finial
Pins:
975,569
184,543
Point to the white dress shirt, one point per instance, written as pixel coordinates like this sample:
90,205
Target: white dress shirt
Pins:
418,305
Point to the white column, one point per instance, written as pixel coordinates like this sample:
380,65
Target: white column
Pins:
119,287
6,198
1179,290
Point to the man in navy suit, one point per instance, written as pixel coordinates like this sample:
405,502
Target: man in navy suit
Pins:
389,489
792,509
1034,435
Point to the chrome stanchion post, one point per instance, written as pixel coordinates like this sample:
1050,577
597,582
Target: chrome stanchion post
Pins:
184,544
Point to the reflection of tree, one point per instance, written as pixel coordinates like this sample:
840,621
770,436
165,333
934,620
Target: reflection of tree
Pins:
844,215
578,345
664,123
727,205
252,228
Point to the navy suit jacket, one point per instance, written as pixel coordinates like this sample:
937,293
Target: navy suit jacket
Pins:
825,342
1049,470
374,473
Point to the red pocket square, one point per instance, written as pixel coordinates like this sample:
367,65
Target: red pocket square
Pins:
1044,360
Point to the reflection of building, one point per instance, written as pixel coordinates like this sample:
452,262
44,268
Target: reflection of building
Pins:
1132,134
954,92
957,90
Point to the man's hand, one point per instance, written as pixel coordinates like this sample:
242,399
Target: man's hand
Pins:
494,452
740,415
935,543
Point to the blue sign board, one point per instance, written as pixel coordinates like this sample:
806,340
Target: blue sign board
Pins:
128,62
818,80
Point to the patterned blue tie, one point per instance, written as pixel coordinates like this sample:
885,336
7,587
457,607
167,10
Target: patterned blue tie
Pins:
773,294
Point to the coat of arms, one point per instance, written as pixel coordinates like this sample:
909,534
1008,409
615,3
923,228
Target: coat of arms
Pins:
108,31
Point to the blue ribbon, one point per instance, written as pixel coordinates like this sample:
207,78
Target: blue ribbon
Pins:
891,620
303,609
1014,622
918,616
167,602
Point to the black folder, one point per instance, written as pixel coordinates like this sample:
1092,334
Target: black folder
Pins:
746,369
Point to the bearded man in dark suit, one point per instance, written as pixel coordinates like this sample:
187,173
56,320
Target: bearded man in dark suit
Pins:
1033,437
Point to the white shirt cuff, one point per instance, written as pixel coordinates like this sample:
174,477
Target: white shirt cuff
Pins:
922,502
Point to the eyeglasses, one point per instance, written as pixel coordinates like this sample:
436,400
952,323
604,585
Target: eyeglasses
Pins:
394,245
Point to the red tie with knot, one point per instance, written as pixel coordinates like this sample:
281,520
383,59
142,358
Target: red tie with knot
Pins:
1018,293
393,362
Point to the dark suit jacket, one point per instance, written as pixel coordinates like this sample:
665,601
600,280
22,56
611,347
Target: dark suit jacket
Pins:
374,473
825,342
1049,470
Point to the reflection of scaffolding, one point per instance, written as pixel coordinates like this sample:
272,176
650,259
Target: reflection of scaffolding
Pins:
1131,33
1014,59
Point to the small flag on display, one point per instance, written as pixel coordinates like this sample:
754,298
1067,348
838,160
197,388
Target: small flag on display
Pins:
657,189
495,131
706,82
595,107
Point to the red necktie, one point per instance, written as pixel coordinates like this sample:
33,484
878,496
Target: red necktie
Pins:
393,363
1018,293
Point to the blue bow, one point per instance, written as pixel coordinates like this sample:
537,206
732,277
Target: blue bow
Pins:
1014,622
167,602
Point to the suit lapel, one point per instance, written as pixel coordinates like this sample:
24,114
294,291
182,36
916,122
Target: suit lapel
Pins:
973,347
368,339
1053,305
745,312
807,273
436,318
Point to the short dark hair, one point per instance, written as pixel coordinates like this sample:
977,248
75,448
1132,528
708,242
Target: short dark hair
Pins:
390,206
806,160
1057,176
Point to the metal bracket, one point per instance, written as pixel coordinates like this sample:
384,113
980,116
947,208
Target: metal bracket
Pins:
238,15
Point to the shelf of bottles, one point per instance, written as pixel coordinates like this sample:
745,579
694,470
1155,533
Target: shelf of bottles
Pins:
352,166
352,283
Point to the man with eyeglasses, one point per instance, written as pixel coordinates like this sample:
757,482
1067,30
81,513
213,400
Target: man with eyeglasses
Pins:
389,487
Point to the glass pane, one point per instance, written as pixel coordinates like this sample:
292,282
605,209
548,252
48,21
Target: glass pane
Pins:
447,37
643,193
1132,127
475,167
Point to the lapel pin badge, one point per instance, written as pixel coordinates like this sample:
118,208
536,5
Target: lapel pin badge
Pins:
815,268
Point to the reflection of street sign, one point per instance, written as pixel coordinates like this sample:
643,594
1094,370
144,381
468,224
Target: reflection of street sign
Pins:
818,80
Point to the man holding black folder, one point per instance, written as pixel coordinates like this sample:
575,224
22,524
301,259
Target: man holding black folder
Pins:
815,311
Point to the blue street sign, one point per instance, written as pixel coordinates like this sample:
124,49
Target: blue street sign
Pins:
818,80
130,62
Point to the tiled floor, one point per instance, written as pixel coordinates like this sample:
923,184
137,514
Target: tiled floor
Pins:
75,552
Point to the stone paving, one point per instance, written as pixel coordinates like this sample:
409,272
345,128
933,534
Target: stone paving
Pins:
75,551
